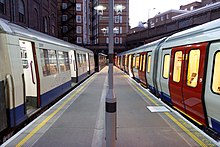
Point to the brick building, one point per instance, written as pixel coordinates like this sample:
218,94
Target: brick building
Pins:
99,22
74,19
40,15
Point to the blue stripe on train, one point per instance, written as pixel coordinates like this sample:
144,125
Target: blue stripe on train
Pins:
17,115
152,89
165,97
49,96
215,125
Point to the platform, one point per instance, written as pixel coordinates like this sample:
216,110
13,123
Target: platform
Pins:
142,120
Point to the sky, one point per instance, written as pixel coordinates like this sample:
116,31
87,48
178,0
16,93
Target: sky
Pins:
138,9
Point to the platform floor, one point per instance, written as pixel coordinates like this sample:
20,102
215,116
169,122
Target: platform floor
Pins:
78,119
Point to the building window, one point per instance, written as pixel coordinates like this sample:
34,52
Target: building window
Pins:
79,40
191,8
116,19
36,20
79,29
78,7
2,6
45,25
120,19
193,68
216,77
53,30
167,16
121,30
177,66
64,18
65,29
107,40
21,11
120,40
156,19
64,6
116,40
161,18
78,18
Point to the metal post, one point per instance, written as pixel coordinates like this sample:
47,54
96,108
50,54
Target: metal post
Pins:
110,117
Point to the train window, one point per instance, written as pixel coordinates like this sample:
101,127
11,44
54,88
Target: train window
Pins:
63,61
193,68
53,66
148,63
66,59
177,66
144,62
137,62
44,62
216,77
134,61
166,66
141,62
79,59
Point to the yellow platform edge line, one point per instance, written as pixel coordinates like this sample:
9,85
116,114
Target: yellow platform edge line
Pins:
196,139
36,129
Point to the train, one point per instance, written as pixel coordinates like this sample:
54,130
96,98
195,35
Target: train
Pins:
183,70
35,70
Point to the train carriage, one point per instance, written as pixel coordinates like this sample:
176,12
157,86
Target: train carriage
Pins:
35,69
184,70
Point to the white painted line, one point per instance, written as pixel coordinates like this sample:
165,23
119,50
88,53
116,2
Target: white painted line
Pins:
158,109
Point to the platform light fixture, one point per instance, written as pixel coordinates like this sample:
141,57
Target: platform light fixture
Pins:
100,9
119,8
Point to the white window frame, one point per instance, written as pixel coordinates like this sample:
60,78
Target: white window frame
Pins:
116,40
79,39
78,19
64,17
78,29
78,7
64,6
117,19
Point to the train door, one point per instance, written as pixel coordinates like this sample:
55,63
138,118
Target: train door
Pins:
149,69
88,63
186,80
164,76
73,66
212,87
142,71
28,56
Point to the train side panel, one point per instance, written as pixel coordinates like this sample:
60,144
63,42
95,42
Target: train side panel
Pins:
212,87
163,71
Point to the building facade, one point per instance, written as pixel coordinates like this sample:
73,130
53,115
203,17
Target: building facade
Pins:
40,15
100,39
74,21
163,18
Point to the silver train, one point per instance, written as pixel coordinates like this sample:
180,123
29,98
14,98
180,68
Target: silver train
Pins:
183,70
35,69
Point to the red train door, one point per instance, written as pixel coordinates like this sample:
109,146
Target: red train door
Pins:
186,80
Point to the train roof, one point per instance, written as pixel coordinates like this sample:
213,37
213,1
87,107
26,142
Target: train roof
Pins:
206,32
11,28
143,48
